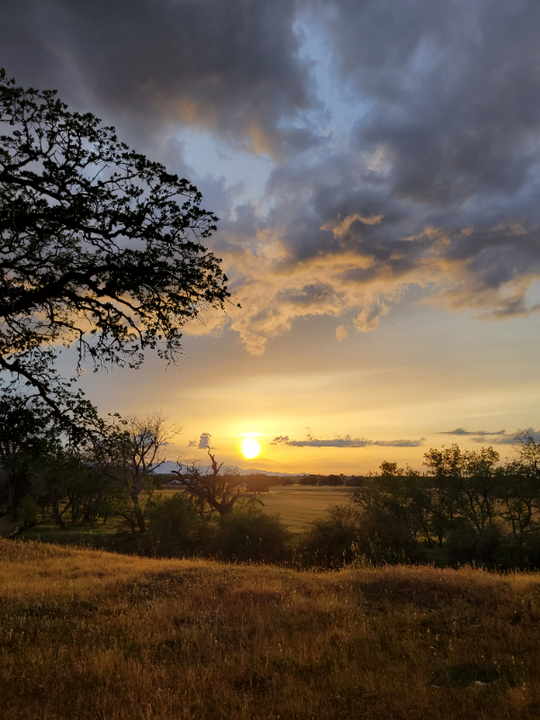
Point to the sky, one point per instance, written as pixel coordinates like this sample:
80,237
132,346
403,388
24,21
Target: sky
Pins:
376,170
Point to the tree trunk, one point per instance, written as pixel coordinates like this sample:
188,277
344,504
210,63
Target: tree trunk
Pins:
11,499
138,513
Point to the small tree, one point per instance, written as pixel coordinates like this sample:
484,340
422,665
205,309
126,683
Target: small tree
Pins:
177,529
214,491
249,534
333,540
131,451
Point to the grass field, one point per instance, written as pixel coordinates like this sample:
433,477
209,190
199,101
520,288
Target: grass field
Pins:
298,506
92,636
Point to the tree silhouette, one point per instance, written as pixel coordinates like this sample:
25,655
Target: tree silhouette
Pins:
99,246
215,491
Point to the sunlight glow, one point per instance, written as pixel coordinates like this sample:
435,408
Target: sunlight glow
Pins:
251,448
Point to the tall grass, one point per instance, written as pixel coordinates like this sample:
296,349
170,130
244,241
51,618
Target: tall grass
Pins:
89,635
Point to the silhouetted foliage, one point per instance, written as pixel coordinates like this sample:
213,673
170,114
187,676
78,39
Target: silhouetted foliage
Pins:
99,246
130,452
259,482
177,529
333,540
214,491
308,480
251,534
29,438
331,480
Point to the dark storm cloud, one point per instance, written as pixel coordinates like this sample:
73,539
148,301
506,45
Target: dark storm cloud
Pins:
435,184
446,152
344,442
453,90
231,67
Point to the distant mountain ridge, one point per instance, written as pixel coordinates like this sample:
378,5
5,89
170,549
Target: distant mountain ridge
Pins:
169,465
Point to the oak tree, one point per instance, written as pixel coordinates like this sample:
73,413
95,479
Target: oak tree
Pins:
214,491
99,246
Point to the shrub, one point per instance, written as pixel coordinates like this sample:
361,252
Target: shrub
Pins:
251,534
350,533
28,512
332,541
386,537
177,529
465,544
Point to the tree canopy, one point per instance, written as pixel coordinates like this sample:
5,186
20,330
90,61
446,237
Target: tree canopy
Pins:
99,246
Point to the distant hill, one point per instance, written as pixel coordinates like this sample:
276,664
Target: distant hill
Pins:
170,465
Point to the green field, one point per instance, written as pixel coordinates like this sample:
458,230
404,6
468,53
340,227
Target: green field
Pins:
297,506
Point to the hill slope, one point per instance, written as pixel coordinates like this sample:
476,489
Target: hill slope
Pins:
86,635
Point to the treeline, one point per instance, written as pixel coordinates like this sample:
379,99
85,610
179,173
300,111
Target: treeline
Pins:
78,475
466,508
331,480
102,471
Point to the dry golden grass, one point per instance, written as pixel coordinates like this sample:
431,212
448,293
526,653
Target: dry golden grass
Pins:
87,636
296,506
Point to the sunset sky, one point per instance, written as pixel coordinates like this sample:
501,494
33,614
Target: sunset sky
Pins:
376,170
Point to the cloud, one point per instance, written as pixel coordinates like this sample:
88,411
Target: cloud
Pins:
340,228
203,442
507,438
462,431
232,68
341,332
497,437
345,442
427,175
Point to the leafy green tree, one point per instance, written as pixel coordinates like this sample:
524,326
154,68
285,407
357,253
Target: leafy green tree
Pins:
99,247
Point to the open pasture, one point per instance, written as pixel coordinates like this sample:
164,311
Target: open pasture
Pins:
86,635
296,506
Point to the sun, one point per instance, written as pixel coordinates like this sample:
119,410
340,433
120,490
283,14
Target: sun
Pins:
251,448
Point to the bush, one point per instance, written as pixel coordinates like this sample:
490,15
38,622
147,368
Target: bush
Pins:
177,529
332,541
386,537
465,544
331,480
28,512
350,534
251,534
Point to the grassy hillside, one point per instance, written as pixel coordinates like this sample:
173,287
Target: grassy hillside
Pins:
89,635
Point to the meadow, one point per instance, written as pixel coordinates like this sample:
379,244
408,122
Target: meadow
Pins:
88,635
296,506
